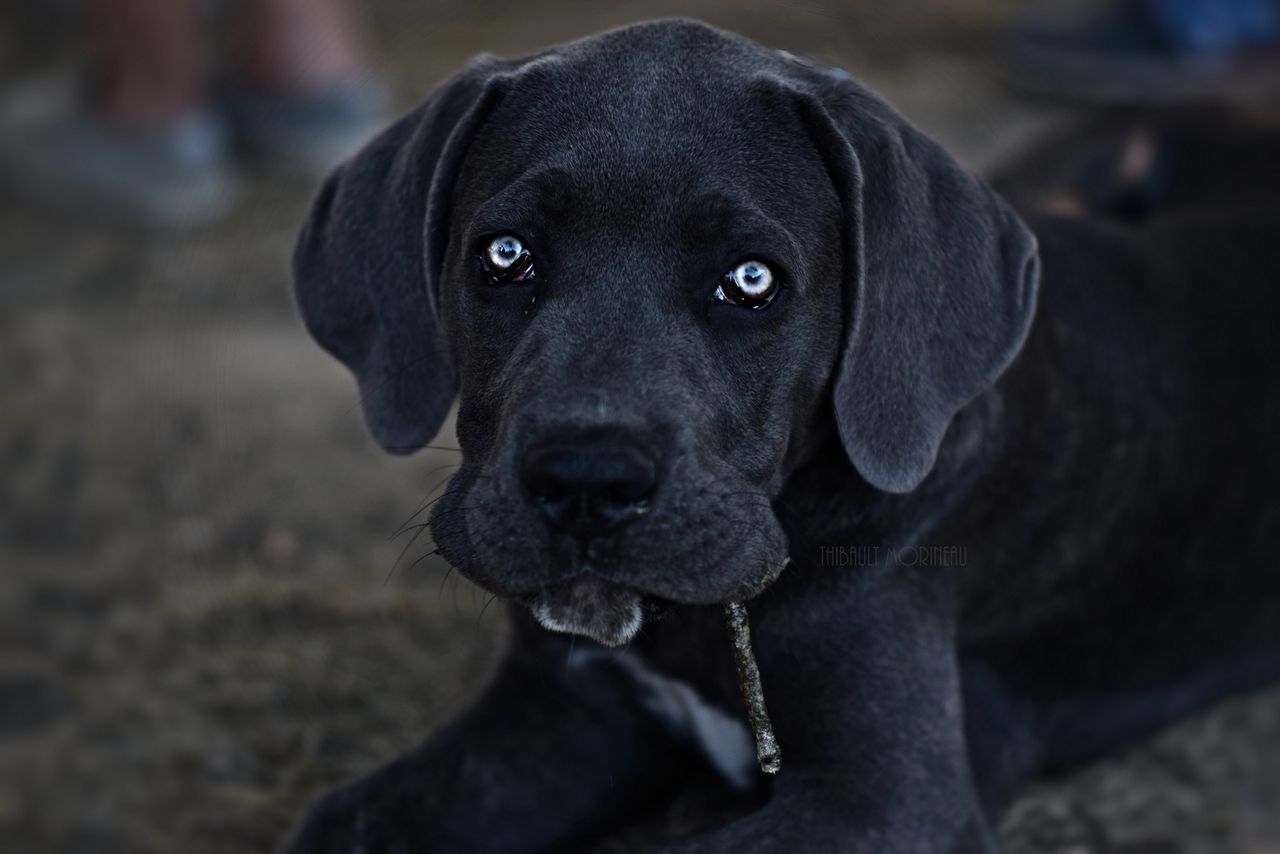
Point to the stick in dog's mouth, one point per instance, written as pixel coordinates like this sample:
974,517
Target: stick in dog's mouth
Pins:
767,751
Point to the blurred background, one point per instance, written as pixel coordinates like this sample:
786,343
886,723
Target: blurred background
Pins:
206,615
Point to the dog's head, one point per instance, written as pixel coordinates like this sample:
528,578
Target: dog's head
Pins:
653,265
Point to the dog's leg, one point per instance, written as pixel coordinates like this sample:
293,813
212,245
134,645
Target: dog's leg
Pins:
551,754
862,681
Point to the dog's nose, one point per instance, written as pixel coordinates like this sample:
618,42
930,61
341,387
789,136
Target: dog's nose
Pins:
588,487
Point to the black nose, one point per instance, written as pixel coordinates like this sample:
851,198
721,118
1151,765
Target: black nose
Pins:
589,486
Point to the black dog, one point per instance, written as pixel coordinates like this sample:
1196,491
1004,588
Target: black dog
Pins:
707,308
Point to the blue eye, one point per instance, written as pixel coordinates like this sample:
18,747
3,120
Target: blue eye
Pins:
506,259
750,284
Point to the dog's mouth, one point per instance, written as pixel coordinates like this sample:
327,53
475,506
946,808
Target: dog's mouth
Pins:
588,605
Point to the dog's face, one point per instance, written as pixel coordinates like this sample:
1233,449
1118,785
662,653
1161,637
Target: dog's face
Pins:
632,385
640,261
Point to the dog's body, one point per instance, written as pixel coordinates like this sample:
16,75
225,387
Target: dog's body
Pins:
1052,531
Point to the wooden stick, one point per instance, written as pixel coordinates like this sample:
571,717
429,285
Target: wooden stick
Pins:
767,750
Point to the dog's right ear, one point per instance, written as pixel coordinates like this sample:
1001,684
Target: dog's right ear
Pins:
367,263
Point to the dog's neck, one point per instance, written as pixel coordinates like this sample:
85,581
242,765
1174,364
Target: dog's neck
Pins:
825,502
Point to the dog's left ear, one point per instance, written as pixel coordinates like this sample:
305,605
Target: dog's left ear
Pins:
940,283
367,260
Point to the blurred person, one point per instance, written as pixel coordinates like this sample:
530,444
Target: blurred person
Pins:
1156,50
146,136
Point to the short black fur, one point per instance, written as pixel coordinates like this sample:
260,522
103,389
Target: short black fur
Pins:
1076,429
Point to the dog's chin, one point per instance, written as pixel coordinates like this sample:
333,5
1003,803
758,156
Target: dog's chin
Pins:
607,613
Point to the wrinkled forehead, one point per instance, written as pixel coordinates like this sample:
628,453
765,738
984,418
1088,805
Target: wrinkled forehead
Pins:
643,138
623,105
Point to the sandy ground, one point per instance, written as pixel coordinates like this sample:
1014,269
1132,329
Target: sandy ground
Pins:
203,620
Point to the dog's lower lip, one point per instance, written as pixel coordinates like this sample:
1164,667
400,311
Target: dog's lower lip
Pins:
586,604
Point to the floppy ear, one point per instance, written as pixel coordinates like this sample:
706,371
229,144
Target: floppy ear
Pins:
366,264
940,286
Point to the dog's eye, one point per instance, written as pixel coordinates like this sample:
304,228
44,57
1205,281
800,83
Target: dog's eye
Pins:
506,259
751,284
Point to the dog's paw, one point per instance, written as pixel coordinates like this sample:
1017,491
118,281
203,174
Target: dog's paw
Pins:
337,822
361,818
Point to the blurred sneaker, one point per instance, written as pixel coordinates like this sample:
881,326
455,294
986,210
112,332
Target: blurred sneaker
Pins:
54,152
1140,52
308,134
